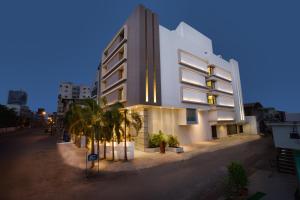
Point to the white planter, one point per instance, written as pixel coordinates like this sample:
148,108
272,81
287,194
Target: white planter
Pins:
82,141
175,149
152,150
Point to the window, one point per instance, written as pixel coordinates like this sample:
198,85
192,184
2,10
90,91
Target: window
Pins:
120,94
121,74
66,86
211,99
210,70
191,116
210,84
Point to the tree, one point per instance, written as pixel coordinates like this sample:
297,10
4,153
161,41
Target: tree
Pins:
8,117
133,120
85,115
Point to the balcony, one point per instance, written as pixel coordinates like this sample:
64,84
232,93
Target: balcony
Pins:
114,78
117,41
115,60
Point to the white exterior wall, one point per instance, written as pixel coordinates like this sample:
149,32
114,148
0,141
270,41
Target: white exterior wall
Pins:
193,77
225,100
65,90
85,92
186,134
237,90
224,86
174,46
281,136
190,94
251,126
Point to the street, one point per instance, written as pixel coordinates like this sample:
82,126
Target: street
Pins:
31,168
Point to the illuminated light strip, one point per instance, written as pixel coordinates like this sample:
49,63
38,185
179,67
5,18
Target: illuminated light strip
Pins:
191,81
225,119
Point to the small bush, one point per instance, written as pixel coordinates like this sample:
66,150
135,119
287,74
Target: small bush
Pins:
173,141
236,180
156,139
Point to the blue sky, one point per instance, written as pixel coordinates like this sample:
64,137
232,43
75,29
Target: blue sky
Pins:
45,42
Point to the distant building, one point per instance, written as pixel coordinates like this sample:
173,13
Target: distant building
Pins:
69,93
17,97
96,87
286,137
264,115
17,100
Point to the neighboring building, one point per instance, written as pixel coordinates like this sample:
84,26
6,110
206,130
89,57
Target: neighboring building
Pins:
95,87
69,93
286,136
17,97
173,79
17,100
264,115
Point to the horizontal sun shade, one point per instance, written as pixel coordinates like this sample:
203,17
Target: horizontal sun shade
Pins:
192,61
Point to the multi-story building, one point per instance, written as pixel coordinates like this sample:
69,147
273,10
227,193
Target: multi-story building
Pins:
173,79
68,93
17,97
17,100
95,87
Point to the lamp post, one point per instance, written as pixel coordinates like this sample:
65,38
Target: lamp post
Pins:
125,153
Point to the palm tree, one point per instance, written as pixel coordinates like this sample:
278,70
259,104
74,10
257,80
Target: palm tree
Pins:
85,115
117,122
135,121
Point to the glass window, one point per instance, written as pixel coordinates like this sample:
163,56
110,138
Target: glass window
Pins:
210,70
120,73
211,99
210,84
191,116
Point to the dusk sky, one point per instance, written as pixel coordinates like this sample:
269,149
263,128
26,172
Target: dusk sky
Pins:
45,42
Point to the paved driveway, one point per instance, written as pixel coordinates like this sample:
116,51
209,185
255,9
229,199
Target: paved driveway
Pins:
32,168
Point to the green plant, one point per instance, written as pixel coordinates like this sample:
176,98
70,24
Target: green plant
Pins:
173,141
156,139
236,180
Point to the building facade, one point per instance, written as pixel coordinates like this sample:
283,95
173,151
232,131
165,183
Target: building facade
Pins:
173,79
69,93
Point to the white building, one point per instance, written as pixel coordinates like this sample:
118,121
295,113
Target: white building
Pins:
173,79
68,93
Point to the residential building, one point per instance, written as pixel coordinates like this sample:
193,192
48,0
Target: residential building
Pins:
286,137
173,79
264,115
95,87
69,93
17,100
17,97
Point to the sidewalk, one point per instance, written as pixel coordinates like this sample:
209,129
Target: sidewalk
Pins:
75,157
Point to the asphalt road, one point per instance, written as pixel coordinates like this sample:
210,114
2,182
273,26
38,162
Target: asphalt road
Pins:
31,168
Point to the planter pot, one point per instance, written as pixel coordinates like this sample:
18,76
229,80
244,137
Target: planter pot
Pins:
82,142
162,147
175,149
152,150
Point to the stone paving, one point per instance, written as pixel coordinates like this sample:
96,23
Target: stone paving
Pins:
75,156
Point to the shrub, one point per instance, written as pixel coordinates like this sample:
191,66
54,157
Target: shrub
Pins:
236,180
156,139
173,141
